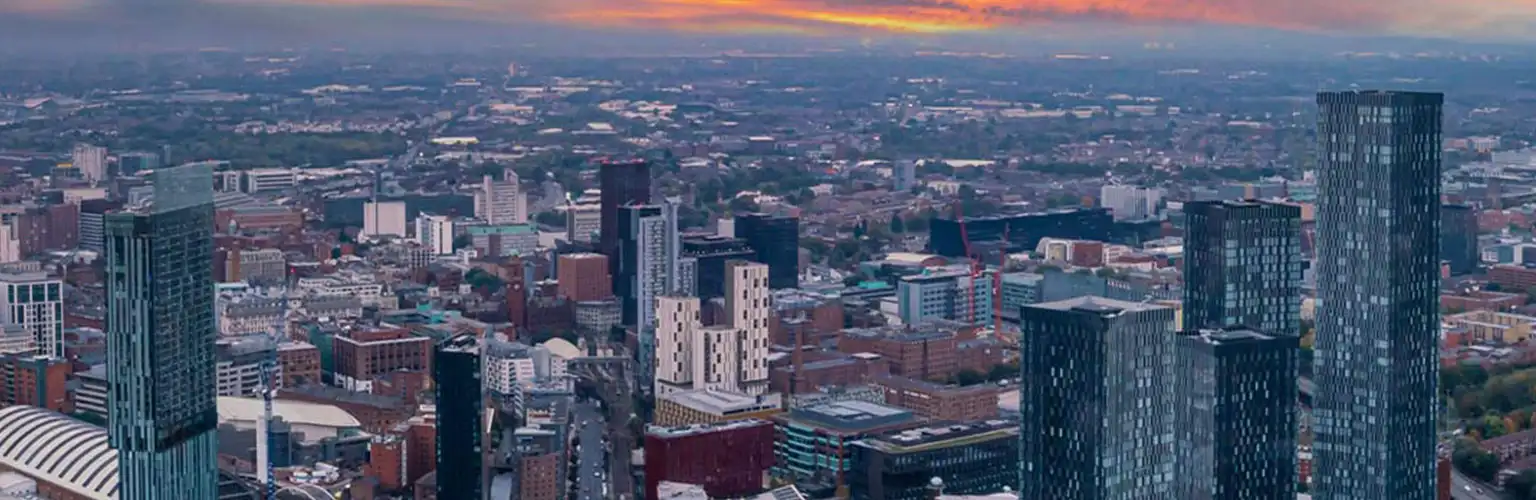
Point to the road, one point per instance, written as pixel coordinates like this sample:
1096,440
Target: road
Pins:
592,460
1460,482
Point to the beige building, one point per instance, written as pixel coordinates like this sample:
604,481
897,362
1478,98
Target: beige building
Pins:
1489,326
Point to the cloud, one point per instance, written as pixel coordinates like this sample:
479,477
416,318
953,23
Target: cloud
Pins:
1485,18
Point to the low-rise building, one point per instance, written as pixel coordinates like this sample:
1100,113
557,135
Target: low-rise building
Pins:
814,444
940,402
684,408
902,465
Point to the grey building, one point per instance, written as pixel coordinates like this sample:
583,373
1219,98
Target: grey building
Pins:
1458,238
267,266
1242,266
1236,415
160,339
1095,409
1378,218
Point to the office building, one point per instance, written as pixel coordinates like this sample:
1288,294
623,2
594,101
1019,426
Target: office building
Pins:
948,294
776,240
1378,323
266,266
91,161
623,184
692,407
729,459
160,339
1105,361
583,222
815,444
505,240
965,456
384,218
262,180
1458,238
1243,266
435,233
1236,432
132,163
1023,231
460,409
34,302
501,202
648,254
711,253
1130,202
583,277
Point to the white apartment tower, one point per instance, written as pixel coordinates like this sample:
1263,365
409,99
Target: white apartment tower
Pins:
10,242
501,202
435,233
677,321
91,161
747,303
1130,202
34,302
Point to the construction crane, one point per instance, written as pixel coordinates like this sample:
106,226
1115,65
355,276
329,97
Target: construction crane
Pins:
269,384
975,263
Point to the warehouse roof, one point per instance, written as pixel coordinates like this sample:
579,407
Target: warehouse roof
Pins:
233,409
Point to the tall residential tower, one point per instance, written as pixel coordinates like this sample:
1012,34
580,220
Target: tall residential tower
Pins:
1243,266
160,340
1378,219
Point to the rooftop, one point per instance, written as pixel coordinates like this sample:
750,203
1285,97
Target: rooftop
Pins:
722,402
941,436
1098,305
691,430
855,416
232,409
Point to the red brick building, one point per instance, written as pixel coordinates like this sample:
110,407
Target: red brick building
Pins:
583,277
362,355
300,364
1478,300
266,217
820,316
54,227
728,459
35,381
1513,278
940,402
926,351
818,370
386,461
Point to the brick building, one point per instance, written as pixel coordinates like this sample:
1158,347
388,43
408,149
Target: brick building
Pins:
364,354
830,369
923,351
1478,300
299,362
940,402
1513,278
35,381
583,277
728,460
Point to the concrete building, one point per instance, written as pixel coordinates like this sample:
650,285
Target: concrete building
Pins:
1377,318
239,363
267,266
1092,359
10,242
747,303
260,180
35,302
1130,202
504,240
91,161
648,250
435,233
950,294
501,202
583,222
684,408
384,218
965,457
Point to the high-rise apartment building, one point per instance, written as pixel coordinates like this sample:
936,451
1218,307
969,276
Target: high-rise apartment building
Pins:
384,218
677,325
91,161
34,302
1096,416
501,202
648,268
1236,432
1378,217
160,339
435,233
623,184
460,412
1130,202
1458,238
776,239
747,304
1242,266
583,222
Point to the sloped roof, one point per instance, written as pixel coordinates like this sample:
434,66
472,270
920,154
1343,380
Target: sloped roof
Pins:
58,450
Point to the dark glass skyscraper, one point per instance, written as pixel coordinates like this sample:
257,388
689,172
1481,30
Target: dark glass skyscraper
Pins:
460,410
1095,405
1458,238
776,239
622,183
160,339
712,252
1236,415
1378,219
1242,266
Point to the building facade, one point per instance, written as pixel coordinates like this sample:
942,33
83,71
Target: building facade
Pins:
34,302
583,276
1458,238
1377,317
949,294
1236,436
161,334
1243,266
711,253
501,202
622,184
460,438
729,459
435,232
965,457
776,240
1097,360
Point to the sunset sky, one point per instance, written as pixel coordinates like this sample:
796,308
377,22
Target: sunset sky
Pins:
1470,19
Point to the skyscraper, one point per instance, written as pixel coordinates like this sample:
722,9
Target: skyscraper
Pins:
1242,266
1236,432
456,374
1458,238
160,339
1378,220
776,239
622,184
648,252
747,303
501,202
1096,413
91,161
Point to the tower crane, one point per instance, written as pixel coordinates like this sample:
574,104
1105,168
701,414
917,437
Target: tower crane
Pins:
269,385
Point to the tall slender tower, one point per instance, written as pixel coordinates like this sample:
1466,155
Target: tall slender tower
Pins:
160,339
622,183
747,302
1377,313
1243,266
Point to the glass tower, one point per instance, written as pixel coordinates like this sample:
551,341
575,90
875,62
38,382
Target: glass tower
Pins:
1378,220
1243,266
1236,415
456,369
1096,412
160,339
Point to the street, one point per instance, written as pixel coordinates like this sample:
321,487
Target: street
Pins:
591,470
1460,483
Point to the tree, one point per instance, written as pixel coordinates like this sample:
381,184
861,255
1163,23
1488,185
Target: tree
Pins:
969,377
462,241
1470,459
1004,371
